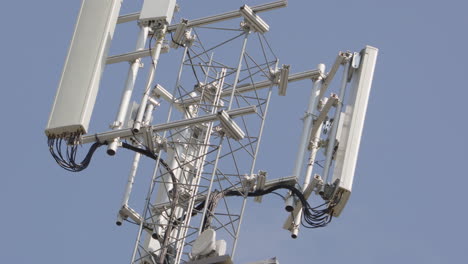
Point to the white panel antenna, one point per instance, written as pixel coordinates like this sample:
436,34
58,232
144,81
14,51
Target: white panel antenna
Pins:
85,62
351,125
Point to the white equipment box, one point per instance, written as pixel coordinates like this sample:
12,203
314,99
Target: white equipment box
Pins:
157,11
85,62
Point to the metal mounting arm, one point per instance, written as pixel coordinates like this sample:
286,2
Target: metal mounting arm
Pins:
244,88
342,58
123,133
212,19
254,22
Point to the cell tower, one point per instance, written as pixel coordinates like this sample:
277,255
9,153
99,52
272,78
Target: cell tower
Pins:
206,147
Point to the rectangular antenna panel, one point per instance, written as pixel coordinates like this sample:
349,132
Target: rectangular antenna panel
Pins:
79,84
158,11
351,125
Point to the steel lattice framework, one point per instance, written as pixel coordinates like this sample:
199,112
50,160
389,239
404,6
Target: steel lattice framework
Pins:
204,157
204,129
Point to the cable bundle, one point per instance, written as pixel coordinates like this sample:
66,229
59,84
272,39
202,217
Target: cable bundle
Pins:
64,151
312,217
67,160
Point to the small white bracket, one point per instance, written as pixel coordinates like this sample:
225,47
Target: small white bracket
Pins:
127,212
230,127
115,125
283,80
355,63
356,60
180,34
261,180
248,183
253,21
148,136
208,91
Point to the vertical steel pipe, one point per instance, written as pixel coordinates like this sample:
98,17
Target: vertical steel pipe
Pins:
155,53
128,89
239,66
304,139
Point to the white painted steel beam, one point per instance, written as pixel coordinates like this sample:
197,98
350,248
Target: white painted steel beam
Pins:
212,19
244,88
131,56
128,18
289,180
122,133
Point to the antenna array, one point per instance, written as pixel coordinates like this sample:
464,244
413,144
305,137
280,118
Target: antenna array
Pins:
205,148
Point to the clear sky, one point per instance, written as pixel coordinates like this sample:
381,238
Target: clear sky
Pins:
408,203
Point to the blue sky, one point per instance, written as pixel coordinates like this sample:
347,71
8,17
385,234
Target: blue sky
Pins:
408,202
